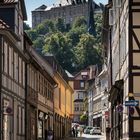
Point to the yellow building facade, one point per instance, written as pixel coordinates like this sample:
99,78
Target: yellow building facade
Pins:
62,107
63,101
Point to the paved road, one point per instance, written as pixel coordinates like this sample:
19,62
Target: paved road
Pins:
89,137
93,137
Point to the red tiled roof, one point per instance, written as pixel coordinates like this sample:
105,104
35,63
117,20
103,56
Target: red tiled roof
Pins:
3,24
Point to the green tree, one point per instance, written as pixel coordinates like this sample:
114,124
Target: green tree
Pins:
49,25
32,34
86,53
42,29
60,26
79,22
60,46
98,26
83,118
26,26
75,33
72,46
39,42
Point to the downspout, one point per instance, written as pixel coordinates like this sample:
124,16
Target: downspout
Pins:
110,56
111,117
26,100
56,85
65,114
0,86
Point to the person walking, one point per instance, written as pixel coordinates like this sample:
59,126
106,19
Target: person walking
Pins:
81,131
73,131
50,134
76,131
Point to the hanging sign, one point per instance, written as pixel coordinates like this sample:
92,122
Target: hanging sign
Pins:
132,103
120,108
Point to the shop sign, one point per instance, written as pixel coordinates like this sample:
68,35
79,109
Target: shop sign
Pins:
120,108
132,103
41,115
46,116
106,115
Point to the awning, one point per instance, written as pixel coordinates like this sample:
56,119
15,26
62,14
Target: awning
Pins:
115,90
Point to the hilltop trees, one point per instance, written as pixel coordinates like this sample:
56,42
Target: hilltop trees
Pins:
73,47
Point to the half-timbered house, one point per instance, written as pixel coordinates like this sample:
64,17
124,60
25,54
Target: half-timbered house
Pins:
12,70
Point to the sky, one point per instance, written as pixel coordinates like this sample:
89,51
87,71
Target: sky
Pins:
33,4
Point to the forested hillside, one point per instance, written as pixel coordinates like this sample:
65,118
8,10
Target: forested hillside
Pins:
73,46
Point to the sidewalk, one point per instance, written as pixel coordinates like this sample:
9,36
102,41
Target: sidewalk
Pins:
72,138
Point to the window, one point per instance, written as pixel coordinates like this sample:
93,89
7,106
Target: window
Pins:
76,107
82,84
2,58
20,69
5,57
23,121
40,129
59,98
81,107
78,95
32,73
16,66
19,120
23,73
10,61
111,16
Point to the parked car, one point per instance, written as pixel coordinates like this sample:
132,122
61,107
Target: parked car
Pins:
87,129
95,130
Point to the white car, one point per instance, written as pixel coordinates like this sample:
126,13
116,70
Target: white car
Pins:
95,130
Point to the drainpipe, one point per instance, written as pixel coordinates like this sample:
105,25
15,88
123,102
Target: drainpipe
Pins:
26,116
0,86
54,112
65,112
110,56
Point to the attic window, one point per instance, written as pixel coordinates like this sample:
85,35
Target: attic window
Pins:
82,84
84,75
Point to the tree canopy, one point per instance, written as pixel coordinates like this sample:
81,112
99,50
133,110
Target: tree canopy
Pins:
73,46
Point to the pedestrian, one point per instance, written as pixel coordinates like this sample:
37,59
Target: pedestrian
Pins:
73,131
50,134
81,131
76,131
